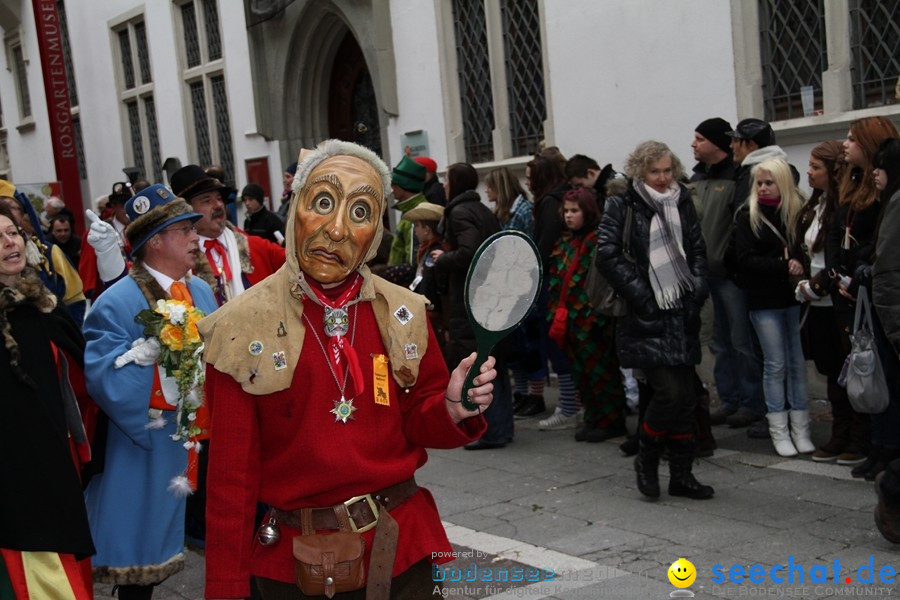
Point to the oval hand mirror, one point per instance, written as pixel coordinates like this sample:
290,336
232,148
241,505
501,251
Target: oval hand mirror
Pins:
502,285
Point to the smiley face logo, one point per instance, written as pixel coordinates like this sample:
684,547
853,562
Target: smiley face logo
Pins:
682,573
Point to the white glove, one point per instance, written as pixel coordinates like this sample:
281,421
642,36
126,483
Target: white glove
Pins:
103,239
803,292
143,352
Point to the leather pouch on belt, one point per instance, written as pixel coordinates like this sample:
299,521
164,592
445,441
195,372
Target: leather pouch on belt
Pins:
330,563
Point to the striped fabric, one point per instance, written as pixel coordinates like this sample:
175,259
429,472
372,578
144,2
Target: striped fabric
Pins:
43,575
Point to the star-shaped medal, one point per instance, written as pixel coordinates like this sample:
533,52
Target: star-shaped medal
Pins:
343,410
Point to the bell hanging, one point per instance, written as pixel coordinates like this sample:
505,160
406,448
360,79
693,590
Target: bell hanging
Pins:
268,533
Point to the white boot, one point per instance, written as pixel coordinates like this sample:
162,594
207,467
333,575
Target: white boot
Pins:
781,437
800,431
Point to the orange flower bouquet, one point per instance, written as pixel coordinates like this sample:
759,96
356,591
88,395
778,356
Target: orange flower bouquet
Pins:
174,324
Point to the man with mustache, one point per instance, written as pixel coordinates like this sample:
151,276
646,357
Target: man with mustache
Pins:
136,521
327,385
230,261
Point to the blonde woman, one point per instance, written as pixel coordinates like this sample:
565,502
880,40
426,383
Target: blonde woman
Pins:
770,262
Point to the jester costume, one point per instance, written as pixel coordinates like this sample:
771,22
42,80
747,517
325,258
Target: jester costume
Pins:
590,336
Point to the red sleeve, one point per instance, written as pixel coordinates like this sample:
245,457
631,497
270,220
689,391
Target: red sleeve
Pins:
426,420
87,269
232,484
265,257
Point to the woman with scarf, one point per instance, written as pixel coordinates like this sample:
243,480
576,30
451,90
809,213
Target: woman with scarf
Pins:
850,252
588,336
663,281
771,263
41,435
826,344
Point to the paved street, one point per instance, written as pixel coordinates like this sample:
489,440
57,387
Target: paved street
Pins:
547,502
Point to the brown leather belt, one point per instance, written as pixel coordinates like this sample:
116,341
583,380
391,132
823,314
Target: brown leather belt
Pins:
359,513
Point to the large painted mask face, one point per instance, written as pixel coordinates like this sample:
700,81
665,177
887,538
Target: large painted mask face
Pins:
337,217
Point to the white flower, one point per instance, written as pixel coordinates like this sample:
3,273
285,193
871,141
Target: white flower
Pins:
176,314
192,417
188,445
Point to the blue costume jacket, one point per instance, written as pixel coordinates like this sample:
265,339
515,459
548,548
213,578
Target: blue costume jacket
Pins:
137,524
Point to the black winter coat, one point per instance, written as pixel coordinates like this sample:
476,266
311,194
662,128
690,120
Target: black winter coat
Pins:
548,224
854,261
648,336
761,263
466,224
41,506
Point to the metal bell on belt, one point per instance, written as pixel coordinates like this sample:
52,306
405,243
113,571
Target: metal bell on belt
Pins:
268,533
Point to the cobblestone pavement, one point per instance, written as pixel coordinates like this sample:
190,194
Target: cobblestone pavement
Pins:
547,503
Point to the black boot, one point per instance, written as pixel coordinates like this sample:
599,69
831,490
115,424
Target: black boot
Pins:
887,511
518,401
682,481
646,464
887,456
630,446
872,460
533,405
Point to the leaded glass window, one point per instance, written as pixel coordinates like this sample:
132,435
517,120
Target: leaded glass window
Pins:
143,54
211,20
67,53
136,94
223,127
524,74
474,79
191,35
127,64
137,138
150,116
792,44
875,51
22,82
201,125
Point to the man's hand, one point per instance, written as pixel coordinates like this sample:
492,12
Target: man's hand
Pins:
143,352
101,235
480,394
103,239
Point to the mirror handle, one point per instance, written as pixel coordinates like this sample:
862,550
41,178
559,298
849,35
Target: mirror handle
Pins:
484,350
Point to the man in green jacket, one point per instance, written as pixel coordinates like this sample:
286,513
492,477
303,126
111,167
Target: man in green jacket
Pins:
407,181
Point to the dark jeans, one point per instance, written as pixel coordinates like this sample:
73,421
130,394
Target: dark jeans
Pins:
416,583
738,367
499,415
674,400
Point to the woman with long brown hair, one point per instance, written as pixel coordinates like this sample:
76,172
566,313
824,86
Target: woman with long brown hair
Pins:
825,344
850,252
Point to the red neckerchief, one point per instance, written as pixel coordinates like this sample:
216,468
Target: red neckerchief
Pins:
338,297
772,201
209,246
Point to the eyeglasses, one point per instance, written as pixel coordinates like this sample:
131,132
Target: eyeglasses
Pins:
185,230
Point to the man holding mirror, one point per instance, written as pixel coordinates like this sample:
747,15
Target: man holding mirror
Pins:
326,384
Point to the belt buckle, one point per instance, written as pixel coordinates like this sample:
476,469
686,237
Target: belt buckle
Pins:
372,506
